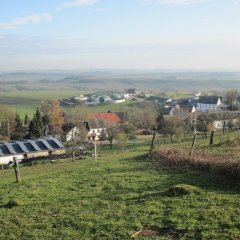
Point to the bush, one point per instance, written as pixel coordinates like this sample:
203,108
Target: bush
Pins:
181,190
13,203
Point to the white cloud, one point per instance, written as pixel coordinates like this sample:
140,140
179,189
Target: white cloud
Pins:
77,3
175,2
33,18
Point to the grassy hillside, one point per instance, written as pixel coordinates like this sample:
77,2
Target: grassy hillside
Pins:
119,196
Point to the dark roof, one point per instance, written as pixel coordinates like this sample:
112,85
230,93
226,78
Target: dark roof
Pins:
209,99
96,123
131,90
25,146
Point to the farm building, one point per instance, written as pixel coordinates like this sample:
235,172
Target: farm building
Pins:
25,149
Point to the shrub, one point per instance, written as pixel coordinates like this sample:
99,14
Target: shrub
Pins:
13,203
181,190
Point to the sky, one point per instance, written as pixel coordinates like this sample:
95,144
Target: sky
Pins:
120,34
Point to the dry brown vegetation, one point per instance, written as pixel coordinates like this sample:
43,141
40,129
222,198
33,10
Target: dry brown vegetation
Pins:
227,165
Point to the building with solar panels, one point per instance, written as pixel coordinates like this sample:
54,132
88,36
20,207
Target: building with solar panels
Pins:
24,149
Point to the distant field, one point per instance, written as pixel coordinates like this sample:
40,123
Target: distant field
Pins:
115,198
26,102
25,91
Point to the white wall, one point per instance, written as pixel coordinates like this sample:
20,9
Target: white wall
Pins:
7,159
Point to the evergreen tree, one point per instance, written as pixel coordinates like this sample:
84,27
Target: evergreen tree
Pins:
36,128
19,130
26,120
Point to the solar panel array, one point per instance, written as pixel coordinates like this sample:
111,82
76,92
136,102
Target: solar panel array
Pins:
26,146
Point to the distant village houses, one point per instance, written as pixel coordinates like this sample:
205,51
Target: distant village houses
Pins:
209,103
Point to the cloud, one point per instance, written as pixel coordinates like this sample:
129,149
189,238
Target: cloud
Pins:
175,2
30,19
77,3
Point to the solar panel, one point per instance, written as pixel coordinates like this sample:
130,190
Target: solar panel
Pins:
1,153
23,147
29,147
52,143
57,142
41,145
10,148
17,148
46,144
5,150
35,145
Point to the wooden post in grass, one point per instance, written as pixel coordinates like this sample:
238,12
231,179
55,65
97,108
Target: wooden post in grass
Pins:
193,143
95,150
211,138
153,138
16,170
94,136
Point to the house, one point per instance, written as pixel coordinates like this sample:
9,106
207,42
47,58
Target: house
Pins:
25,149
209,103
95,127
98,122
183,112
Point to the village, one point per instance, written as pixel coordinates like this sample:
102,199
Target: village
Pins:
54,131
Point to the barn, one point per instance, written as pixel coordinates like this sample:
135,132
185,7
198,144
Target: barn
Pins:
24,149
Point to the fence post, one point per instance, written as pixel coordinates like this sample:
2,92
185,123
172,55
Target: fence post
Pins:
16,170
193,143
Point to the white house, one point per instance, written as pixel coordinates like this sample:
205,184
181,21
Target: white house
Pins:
209,103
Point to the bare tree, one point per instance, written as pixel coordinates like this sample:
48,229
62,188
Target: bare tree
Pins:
77,118
231,97
112,131
7,121
142,118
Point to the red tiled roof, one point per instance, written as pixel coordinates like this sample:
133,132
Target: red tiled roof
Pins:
109,118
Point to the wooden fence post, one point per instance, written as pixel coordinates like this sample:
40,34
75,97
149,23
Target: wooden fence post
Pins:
153,139
95,150
193,143
16,170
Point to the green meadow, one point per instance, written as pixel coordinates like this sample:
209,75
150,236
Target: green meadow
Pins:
121,196
26,102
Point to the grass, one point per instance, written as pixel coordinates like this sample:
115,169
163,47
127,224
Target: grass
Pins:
26,102
114,197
